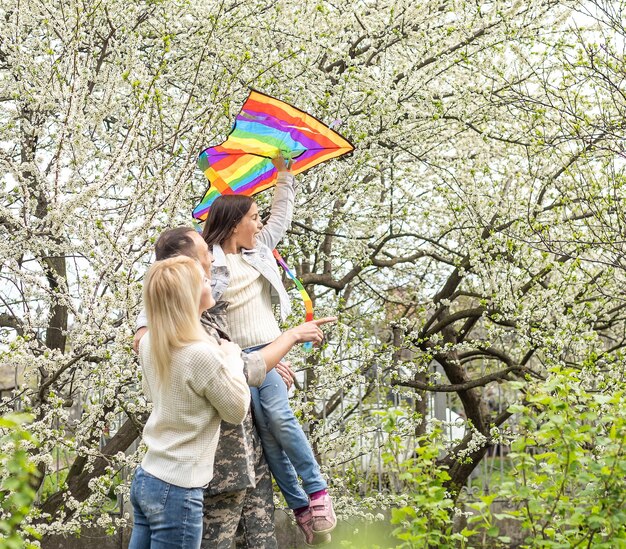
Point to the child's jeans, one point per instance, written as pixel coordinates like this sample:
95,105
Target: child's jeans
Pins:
286,448
165,515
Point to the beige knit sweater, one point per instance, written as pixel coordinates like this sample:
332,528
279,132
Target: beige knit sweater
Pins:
250,317
182,432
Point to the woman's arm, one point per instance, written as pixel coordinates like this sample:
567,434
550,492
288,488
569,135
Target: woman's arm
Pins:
224,384
254,368
281,212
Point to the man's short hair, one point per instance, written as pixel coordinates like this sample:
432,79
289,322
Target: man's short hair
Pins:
173,242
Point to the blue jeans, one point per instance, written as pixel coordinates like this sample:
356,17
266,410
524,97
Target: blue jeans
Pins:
286,448
165,515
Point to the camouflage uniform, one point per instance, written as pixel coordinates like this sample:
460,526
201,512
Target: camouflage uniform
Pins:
238,503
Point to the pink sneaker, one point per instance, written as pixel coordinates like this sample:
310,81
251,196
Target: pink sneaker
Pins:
324,519
311,538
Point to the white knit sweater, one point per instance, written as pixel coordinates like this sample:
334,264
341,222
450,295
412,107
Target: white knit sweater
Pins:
250,317
182,432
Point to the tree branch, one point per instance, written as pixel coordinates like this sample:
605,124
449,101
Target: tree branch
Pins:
479,382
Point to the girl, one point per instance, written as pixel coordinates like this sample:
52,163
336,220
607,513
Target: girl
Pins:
246,275
194,383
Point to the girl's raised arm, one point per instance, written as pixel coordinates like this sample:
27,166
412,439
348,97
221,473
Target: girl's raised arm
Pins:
281,213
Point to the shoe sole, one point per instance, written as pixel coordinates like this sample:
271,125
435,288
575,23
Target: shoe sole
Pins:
328,530
325,541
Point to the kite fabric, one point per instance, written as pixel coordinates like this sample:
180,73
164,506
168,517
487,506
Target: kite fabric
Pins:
308,304
264,128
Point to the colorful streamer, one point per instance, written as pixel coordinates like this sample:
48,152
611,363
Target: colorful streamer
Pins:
308,304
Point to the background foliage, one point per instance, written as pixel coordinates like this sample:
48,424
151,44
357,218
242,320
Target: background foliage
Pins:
16,489
472,245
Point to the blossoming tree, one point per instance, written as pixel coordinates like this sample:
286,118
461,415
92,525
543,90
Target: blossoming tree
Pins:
477,217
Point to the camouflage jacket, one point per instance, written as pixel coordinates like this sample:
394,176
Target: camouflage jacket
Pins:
234,467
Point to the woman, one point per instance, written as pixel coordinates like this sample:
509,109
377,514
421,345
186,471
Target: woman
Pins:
246,276
193,383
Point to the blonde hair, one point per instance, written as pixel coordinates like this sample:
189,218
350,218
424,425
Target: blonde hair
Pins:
171,294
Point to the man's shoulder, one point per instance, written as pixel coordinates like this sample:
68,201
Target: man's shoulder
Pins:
215,323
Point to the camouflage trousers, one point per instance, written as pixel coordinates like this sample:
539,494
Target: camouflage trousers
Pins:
243,516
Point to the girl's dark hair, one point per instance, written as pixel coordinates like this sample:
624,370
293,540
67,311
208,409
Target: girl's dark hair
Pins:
174,242
225,214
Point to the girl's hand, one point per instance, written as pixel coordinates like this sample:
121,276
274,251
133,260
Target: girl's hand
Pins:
311,331
280,164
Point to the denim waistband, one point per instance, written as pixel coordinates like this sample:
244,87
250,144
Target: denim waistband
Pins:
255,348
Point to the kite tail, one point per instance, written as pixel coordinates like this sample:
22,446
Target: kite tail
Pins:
308,304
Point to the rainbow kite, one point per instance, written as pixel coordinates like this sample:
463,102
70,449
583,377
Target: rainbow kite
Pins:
265,128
